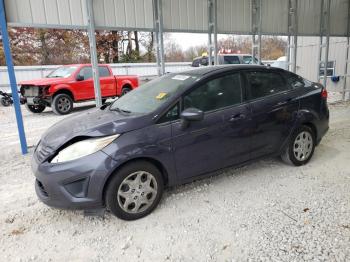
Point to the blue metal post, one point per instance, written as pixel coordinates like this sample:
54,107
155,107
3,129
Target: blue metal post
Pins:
12,77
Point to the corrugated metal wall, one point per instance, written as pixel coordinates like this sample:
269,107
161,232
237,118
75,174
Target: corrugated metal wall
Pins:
307,60
234,16
274,15
185,15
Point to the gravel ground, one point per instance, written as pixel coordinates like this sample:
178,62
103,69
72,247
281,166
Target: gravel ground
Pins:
266,211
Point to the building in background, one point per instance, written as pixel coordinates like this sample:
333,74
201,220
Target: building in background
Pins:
308,59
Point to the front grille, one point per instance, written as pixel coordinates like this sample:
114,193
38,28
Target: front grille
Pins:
42,188
30,91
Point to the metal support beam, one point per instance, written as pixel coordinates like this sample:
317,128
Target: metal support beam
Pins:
156,34
12,77
161,40
324,32
158,18
210,31
93,52
215,32
347,55
290,29
293,30
256,21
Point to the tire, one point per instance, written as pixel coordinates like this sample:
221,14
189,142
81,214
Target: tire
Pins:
35,108
125,90
5,102
62,104
123,188
301,147
104,100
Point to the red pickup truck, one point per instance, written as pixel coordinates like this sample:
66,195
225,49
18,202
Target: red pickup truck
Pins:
73,83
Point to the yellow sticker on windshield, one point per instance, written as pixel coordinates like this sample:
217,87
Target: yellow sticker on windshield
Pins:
161,95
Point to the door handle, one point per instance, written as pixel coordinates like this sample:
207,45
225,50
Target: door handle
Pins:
237,117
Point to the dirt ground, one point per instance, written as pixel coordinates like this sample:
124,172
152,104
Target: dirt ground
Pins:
266,211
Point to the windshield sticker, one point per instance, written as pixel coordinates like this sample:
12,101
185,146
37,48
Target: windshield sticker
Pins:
161,95
180,77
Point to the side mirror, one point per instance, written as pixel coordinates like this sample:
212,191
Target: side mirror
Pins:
80,78
190,115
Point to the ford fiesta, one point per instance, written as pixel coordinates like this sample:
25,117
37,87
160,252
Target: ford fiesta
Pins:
174,130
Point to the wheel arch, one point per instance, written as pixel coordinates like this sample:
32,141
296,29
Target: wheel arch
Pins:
127,85
151,160
64,91
313,128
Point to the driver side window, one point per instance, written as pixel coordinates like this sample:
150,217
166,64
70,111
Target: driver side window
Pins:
86,73
217,93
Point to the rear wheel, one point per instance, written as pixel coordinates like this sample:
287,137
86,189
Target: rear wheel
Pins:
62,104
134,191
301,147
125,90
36,108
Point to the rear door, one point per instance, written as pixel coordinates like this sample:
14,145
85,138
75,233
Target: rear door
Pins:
221,139
274,110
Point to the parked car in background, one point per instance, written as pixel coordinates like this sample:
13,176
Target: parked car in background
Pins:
176,129
225,59
281,63
73,83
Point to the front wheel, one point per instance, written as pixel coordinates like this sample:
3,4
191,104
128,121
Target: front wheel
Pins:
5,102
36,108
134,191
301,147
62,104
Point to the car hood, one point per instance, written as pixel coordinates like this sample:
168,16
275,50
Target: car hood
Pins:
45,81
92,123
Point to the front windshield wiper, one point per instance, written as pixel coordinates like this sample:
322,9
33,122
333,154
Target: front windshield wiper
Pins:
120,110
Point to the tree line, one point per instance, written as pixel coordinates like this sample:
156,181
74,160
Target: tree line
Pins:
56,46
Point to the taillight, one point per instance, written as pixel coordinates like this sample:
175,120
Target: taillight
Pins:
324,93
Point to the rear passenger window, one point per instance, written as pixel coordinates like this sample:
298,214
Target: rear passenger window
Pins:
215,94
295,81
265,83
103,71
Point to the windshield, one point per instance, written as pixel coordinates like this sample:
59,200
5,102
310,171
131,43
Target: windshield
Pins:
64,71
248,60
150,96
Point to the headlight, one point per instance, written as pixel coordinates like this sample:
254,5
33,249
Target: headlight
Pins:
83,148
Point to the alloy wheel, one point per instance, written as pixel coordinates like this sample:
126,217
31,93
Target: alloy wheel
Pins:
63,104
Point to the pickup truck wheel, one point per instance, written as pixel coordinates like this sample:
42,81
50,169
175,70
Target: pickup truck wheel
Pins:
300,147
62,104
35,108
125,90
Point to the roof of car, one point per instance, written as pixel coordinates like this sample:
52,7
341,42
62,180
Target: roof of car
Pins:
208,70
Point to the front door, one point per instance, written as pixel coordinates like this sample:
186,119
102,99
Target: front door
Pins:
222,138
85,87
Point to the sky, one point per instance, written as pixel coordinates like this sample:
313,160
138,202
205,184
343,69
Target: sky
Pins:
186,40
